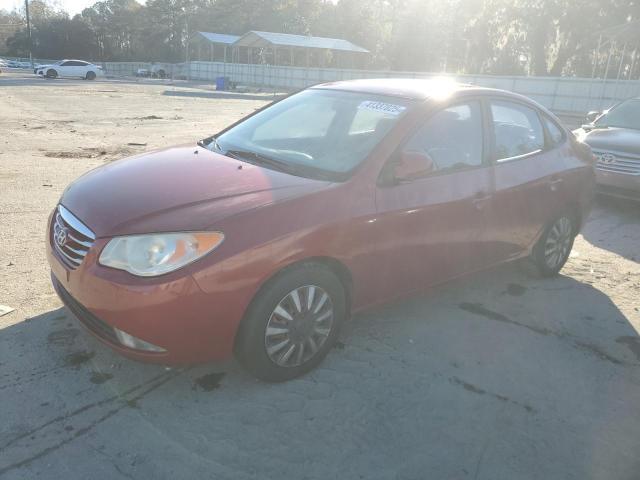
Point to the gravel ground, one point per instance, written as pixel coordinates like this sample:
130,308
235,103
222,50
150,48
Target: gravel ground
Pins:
502,375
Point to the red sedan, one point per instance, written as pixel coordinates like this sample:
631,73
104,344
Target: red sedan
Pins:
262,239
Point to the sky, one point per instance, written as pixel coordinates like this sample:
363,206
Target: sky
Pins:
71,6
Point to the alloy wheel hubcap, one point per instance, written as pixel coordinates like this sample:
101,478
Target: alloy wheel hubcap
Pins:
299,326
558,242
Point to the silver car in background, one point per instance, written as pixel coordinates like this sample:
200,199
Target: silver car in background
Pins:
614,137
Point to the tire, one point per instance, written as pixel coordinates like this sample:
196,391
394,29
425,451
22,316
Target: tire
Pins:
287,350
161,74
51,73
91,75
554,246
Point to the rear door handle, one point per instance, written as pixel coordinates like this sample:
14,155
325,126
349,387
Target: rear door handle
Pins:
480,200
554,183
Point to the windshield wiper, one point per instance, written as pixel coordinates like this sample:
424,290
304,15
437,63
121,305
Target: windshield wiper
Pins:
253,157
592,126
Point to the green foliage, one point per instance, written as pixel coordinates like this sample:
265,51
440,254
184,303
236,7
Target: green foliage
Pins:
539,37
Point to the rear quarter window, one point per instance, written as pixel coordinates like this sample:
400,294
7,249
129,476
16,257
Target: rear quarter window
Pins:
556,134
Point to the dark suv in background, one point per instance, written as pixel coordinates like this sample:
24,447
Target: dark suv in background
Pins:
614,136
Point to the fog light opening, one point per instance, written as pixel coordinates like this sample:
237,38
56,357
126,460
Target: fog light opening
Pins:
135,343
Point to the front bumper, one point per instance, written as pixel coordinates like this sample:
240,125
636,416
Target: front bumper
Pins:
109,334
618,184
169,312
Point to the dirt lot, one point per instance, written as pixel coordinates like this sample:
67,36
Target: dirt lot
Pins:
499,376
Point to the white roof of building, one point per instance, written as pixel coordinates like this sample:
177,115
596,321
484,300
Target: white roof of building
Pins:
219,37
263,39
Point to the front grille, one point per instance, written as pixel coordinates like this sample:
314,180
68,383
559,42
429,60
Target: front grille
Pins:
616,162
93,323
70,238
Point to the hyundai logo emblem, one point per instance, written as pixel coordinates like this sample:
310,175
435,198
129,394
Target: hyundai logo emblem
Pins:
60,236
607,158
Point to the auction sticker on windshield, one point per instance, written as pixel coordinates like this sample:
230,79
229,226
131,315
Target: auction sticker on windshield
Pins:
382,107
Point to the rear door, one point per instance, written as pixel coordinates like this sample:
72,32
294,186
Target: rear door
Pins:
529,178
81,68
430,229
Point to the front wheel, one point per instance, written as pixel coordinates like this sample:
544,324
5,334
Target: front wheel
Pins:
292,324
553,248
51,73
91,76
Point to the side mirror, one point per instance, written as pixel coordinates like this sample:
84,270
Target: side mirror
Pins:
592,115
412,165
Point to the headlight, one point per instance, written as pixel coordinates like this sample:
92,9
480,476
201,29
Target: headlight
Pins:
158,253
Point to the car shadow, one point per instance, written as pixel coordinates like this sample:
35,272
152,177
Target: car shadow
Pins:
615,226
499,375
30,79
222,95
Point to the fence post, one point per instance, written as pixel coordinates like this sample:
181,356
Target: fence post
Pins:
555,94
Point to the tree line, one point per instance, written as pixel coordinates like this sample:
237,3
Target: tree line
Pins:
537,37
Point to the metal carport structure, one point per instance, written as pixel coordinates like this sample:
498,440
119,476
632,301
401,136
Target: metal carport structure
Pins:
217,42
288,49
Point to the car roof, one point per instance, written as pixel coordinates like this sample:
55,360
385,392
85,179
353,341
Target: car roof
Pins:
412,88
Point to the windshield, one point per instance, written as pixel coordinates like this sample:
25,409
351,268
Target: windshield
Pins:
315,131
625,115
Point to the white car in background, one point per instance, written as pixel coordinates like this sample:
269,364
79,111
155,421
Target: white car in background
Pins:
70,68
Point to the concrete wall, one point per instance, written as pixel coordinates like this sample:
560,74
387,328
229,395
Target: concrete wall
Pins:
560,94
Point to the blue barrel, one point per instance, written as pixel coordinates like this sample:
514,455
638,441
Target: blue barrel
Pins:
222,83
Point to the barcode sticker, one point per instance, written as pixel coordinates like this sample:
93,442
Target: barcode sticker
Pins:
382,107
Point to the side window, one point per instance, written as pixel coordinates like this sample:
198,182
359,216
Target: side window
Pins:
556,135
66,64
452,137
517,130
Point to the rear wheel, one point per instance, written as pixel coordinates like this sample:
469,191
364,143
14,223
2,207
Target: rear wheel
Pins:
51,73
553,248
91,76
292,324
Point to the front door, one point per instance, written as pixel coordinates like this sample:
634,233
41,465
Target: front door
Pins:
68,69
430,229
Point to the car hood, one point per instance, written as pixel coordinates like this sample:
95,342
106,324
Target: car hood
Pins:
178,189
621,140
